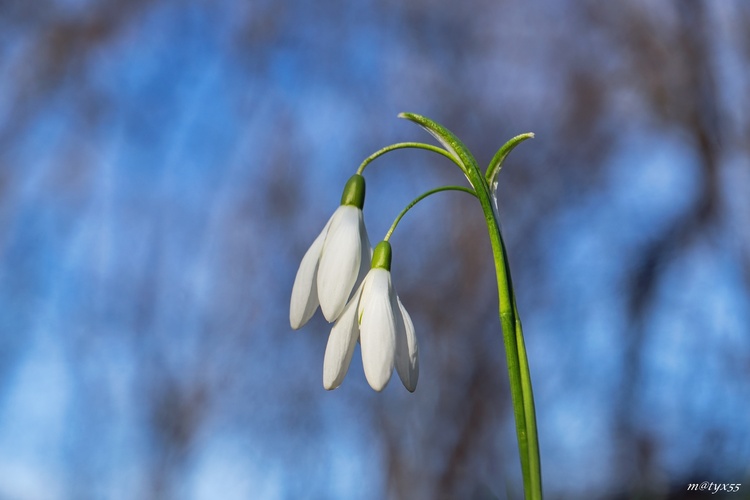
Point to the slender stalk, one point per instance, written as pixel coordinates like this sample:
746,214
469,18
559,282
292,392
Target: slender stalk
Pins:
508,320
404,145
422,197
519,375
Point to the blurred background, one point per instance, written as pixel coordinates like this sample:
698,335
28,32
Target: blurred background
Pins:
165,164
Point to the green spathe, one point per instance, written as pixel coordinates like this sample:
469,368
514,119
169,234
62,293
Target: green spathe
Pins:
381,256
354,192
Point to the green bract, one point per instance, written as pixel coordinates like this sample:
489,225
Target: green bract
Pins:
354,192
381,256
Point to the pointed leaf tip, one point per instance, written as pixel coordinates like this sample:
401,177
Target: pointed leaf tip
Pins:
497,161
458,151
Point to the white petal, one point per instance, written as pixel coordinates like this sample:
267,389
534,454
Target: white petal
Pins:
377,328
366,252
339,261
407,353
341,342
305,290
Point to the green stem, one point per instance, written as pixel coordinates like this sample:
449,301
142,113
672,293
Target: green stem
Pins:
533,472
508,319
518,368
422,197
403,145
519,375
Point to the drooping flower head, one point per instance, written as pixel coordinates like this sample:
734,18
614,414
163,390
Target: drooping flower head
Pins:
336,261
376,317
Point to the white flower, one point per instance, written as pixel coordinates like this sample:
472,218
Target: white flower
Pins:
376,317
338,259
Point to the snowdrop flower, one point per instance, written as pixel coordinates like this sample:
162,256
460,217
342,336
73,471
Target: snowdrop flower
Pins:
336,261
376,317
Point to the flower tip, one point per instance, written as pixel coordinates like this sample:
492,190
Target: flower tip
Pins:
410,381
330,385
378,380
330,313
378,387
299,313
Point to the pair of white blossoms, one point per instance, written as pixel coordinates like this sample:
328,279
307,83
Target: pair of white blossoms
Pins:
339,259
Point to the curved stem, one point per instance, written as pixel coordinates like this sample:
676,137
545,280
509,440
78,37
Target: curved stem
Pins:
422,197
403,145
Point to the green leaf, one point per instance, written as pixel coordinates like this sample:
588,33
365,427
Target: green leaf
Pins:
497,161
450,142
